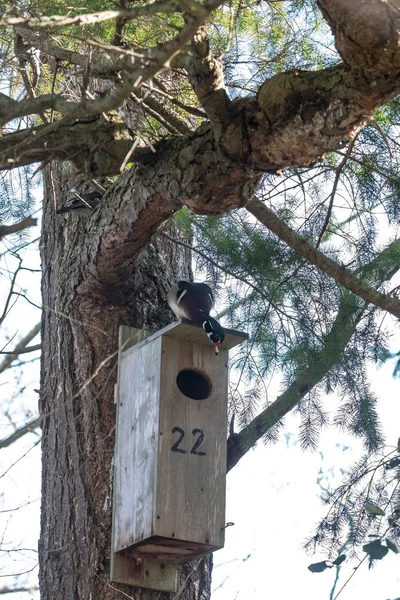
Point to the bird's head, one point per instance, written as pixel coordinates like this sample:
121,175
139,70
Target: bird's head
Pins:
215,332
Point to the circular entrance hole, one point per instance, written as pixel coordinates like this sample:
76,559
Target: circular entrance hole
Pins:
194,384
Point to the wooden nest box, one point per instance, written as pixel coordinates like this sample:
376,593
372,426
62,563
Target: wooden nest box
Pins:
170,453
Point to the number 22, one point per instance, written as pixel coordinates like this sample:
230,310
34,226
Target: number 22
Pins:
175,447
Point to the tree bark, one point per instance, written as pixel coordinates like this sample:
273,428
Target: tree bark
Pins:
79,363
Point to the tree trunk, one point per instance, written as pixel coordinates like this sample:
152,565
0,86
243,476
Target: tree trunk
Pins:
79,360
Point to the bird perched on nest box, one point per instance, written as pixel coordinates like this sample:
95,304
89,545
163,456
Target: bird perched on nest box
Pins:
194,301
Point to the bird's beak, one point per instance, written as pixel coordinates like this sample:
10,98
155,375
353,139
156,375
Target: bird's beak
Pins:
216,346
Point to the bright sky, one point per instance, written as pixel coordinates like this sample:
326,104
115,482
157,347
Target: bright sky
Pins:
20,485
273,499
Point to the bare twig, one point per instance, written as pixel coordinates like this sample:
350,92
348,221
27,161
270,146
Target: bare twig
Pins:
216,264
376,126
19,347
183,586
20,432
159,89
172,122
129,154
11,292
339,170
13,465
8,590
14,509
115,588
352,575
20,573
24,350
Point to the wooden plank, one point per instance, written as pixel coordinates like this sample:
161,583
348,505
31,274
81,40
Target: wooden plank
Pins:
144,572
184,329
129,336
172,550
191,473
137,444
129,569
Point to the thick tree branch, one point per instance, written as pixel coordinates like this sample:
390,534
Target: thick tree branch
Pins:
206,75
58,103
297,116
366,33
17,227
182,173
8,360
351,310
128,14
268,218
95,145
141,67
284,126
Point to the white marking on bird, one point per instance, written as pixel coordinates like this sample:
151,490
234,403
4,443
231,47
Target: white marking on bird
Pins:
181,296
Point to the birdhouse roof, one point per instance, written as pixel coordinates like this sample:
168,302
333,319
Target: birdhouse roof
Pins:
184,329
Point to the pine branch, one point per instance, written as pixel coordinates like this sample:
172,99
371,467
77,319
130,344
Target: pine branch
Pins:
268,218
349,315
224,269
